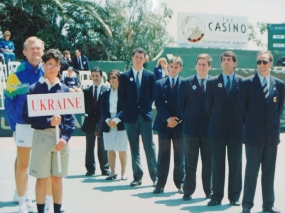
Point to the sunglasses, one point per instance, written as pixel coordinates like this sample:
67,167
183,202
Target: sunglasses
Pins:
112,77
262,61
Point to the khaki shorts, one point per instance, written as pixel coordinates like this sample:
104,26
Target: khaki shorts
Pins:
44,157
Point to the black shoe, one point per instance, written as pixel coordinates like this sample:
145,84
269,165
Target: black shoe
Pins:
208,196
158,190
113,177
105,173
90,173
154,183
187,197
214,203
246,210
271,210
136,183
235,203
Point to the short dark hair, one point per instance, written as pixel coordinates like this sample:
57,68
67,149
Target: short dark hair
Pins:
204,56
66,52
97,69
116,72
52,53
268,52
176,60
139,50
229,54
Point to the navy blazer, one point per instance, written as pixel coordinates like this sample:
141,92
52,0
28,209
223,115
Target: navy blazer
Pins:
191,104
223,110
127,95
262,119
105,112
92,113
158,72
166,105
84,61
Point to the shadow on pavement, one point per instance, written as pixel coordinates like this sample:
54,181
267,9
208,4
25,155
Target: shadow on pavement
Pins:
117,188
204,208
180,201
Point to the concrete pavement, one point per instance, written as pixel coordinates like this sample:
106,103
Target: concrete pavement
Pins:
83,194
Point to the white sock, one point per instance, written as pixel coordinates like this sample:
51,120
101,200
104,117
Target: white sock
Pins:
22,200
27,196
49,200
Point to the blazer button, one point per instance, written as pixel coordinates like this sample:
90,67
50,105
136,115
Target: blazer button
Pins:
138,106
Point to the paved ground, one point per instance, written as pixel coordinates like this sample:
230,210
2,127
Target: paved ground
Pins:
94,194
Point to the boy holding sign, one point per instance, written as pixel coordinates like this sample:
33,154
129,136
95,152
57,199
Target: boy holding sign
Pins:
44,159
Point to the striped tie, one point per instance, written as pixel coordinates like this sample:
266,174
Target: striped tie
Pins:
265,88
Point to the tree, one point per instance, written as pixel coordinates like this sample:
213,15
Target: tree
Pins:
102,33
135,24
255,35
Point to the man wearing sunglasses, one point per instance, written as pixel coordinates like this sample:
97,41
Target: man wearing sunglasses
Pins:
261,101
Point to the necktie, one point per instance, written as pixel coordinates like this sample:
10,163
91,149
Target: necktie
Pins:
228,86
173,84
265,88
138,85
95,96
202,85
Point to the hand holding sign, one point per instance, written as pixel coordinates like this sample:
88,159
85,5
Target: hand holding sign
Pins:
55,105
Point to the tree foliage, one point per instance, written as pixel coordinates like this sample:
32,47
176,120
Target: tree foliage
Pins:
102,33
256,32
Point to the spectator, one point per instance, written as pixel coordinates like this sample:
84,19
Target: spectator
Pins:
71,80
80,62
66,62
7,48
161,71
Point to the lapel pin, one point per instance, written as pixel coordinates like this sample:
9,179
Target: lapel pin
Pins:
165,101
220,85
194,87
165,86
274,88
274,99
131,79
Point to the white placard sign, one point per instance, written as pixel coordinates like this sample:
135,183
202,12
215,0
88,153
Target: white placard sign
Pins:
55,104
207,30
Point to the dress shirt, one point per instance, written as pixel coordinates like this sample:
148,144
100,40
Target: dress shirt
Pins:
98,90
113,102
140,74
226,80
170,80
205,81
267,79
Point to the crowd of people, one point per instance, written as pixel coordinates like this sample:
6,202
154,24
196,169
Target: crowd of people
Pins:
213,115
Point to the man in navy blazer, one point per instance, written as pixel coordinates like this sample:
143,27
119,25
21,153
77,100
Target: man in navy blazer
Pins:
169,127
262,99
91,121
136,95
225,130
80,62
191,103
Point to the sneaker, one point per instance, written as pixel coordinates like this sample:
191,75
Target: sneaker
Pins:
23,209
30,206
16,198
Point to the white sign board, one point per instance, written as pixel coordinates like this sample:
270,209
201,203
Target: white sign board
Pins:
206,30
55,104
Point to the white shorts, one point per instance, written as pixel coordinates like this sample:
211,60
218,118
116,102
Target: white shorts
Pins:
24,135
